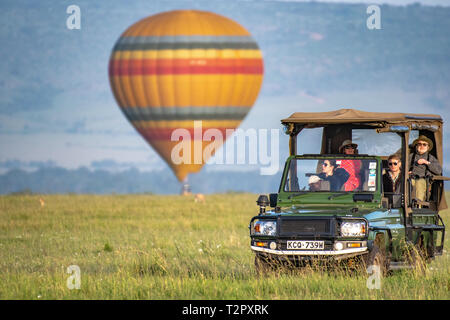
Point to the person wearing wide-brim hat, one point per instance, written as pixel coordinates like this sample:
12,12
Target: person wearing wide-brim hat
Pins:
348,147
423,139
422,165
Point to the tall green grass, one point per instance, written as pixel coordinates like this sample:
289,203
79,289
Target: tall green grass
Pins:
166,247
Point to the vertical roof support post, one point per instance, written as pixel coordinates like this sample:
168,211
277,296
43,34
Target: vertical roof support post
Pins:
293,162
405,173
293,130
438,139
292,144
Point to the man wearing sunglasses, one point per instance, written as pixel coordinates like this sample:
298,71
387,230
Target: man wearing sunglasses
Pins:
392,178
422,165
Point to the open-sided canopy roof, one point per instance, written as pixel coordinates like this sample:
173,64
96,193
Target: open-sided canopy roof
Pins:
334,121
342,116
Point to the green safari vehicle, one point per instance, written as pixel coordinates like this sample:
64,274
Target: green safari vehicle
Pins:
362,225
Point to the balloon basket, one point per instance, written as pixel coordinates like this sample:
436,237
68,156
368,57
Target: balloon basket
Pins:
186,190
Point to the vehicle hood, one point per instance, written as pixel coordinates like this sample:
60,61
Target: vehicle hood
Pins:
353,211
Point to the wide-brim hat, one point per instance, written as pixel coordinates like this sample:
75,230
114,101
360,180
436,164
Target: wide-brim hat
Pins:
347,143
425,139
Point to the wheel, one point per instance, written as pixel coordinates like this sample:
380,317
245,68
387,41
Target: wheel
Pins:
376,258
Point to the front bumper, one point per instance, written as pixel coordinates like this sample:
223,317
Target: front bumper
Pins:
333,254
322,230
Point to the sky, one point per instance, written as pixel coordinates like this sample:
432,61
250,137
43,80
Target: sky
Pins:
390,2
56,106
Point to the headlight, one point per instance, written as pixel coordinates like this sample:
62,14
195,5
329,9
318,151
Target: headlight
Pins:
264,227
353,229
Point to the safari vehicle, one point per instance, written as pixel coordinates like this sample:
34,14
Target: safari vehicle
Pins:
364,225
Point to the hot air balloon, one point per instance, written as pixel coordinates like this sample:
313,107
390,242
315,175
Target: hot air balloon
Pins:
172,68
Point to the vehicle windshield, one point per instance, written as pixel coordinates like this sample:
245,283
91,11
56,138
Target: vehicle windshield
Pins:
331,175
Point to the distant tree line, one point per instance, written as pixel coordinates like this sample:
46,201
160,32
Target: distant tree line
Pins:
57,180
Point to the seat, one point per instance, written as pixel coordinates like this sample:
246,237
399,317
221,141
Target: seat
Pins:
324,185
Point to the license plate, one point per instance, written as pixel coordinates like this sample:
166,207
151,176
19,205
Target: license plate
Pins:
305,245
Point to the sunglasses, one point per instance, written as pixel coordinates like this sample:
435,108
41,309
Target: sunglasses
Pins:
349,147
325,164
393,163
424,144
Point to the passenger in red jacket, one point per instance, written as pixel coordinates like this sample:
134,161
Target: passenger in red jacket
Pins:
353,167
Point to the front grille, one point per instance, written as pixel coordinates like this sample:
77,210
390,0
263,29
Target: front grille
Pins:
292,226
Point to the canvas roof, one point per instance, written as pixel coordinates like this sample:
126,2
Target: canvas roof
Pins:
357,116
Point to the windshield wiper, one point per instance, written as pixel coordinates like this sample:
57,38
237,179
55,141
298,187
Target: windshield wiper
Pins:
336,195
297,194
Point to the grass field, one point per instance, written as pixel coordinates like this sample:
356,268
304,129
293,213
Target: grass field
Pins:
166,247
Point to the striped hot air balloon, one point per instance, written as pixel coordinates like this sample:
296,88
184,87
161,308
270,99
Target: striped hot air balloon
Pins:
173,68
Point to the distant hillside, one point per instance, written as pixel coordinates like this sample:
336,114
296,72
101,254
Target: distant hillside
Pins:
83,181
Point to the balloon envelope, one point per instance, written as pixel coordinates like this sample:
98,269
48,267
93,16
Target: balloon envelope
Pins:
173,68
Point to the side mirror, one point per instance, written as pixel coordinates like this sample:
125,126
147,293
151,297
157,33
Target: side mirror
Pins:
262,202
273,199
